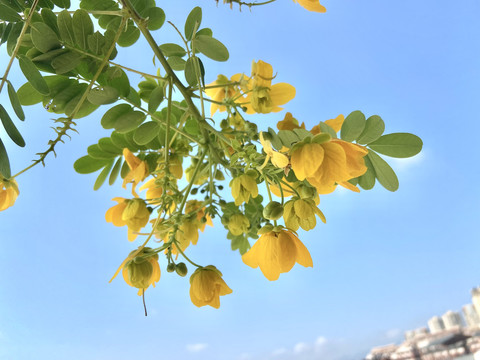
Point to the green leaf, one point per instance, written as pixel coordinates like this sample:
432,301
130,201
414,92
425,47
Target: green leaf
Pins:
116,78
324,127
15,101
111,116
13,37
65,27
96,152
49,56
241,244
8,14
383,172
102,96
65,4
10,127
156,18
134,98
103,176
211,48
87,164
96,43
28,95
146,132
44,38
190,74
129,121
4,162
367,180
50,19
191,126
33,75
156,98
204,31
124,170
82,27
120,141
129,36
398,145
115,171
66,62
106,144
374,128
176,63
288,138
6,32
353,126
193,22
172,50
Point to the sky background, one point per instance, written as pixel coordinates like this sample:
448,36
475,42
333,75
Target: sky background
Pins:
384,262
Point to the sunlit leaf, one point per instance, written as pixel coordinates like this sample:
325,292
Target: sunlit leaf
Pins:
211,48
194,19
398,145
33,75
383,172
353,126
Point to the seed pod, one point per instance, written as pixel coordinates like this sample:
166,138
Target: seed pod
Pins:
181,269
273,211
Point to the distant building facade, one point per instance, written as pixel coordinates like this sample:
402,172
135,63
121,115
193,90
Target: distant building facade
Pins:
471,315
452,319
435,324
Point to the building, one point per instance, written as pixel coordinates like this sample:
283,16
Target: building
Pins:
435,324
471,315
476,298
416,333
452,319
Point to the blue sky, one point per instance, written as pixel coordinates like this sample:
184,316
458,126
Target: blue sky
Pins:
384,262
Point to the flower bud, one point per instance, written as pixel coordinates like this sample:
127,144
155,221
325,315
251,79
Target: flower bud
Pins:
181,269
273,211
238,224
171,267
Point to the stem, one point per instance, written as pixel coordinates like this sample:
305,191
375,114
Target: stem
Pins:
185,256
143,298
19,41
194,175
167,127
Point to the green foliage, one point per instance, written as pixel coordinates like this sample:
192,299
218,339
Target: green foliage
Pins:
374,128
10,127
353,126
210,47
383,172
194,19
398,145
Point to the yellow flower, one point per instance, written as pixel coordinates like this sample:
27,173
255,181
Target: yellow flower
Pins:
301,213
138,170
276,252
329,163
306,159
223,93
154,191
311,5
278,159
265,97
206,287
238,224
133,213
289,123
8,193
188,231
142,271
243,187
342,162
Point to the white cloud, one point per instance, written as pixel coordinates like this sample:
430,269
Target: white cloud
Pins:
393,333
321,340
279,352
194,348
244,356
300,348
